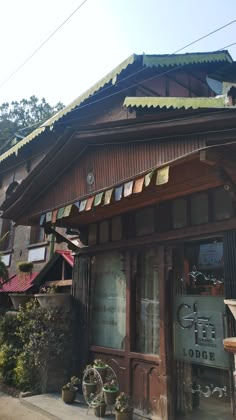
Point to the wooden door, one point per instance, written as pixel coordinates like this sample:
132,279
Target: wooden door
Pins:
140,362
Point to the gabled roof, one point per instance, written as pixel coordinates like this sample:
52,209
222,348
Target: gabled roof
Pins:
137,63
176,102
58,254
24,281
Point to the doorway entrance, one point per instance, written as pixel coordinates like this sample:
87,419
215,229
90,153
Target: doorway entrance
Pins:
126,314
201,377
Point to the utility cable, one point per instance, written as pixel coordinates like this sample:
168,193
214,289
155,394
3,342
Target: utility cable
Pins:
41,45
205,36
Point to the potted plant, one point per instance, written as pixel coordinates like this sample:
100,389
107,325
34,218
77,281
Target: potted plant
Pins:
123,407
89,381
68,391
99,406
101,368
25,266
110,390
49,298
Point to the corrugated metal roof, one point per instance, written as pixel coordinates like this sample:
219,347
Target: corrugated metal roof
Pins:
109,78
145,61
175,102
19,283
168,60
67,255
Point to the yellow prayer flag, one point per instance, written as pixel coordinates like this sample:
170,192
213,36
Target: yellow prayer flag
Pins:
162,176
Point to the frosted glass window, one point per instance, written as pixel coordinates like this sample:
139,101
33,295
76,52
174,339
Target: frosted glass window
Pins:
223,206
179,212
108,300
199,209
147,303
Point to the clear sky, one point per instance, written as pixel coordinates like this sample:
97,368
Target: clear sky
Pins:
97,38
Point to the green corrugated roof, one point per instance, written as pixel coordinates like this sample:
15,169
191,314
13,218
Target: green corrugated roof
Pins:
109,78
184,59
175,102
145,61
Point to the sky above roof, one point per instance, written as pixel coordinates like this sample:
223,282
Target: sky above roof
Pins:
97,38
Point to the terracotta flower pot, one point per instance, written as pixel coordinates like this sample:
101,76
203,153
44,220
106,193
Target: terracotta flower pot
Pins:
68,395
124,416
100,410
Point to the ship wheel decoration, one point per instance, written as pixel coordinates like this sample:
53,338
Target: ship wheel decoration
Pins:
93,382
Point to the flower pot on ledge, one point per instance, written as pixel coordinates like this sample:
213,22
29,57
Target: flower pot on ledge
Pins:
53,300
20,299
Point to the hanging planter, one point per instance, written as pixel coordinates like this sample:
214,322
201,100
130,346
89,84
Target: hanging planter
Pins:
25,266
20,299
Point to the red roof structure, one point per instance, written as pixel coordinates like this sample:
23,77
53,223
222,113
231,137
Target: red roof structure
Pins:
24,281
67,255
19,283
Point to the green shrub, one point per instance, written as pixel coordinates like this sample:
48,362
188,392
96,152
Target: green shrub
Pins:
7,363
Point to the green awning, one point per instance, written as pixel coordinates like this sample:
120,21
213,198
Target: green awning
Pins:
175,102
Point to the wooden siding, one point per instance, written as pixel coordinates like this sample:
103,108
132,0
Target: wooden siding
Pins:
111,164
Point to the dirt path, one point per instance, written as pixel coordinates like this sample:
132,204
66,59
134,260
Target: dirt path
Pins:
12,409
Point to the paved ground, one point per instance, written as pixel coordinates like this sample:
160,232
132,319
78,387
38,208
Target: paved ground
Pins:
47,406
12,409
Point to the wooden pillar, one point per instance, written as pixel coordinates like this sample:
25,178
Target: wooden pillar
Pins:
80,292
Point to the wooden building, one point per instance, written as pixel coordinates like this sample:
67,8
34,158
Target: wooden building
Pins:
144,168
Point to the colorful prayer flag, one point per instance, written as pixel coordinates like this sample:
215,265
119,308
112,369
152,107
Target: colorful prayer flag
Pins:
98,199
118,193
138,185
162,176
128,188
107,198
89,203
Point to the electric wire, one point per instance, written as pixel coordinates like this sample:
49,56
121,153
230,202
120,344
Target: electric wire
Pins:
41,45
205,36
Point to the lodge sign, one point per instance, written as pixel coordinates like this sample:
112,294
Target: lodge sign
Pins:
199,330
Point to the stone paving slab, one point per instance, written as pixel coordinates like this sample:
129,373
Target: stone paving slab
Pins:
52,406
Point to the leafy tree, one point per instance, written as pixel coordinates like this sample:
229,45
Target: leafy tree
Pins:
17,119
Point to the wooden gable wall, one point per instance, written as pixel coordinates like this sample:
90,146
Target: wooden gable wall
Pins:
110,165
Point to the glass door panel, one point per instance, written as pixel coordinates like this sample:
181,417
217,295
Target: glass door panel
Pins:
202,378
147,302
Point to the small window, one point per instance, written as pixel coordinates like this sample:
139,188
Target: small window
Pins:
144,220
222,204
104,232
164,216
37,234
92,234
116,228
199,209
7,235
179,213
